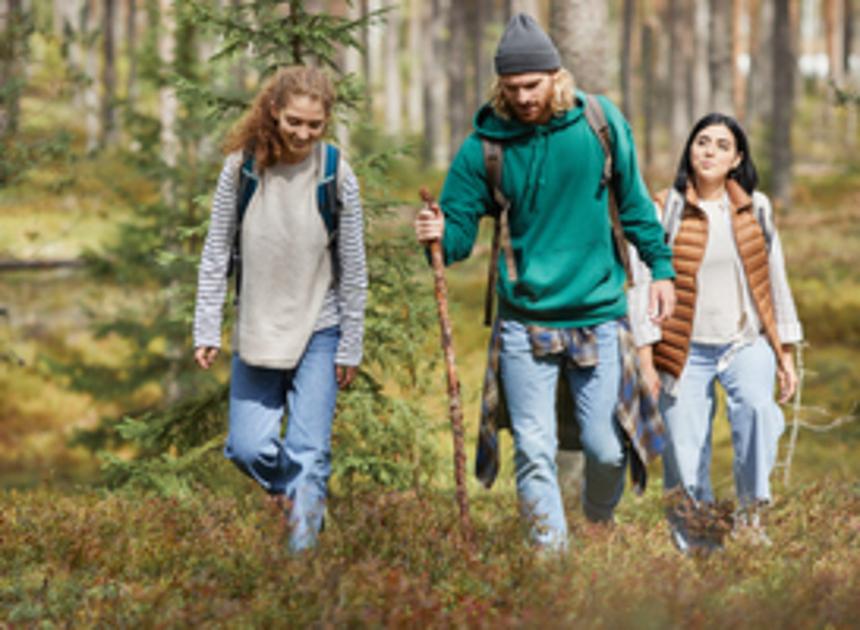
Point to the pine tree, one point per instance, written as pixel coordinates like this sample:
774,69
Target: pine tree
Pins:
377,440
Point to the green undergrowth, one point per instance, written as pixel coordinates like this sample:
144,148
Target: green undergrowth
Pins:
87,559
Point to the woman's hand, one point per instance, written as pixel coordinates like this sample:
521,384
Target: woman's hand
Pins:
661,300
205,356
786,375
345,375
429,224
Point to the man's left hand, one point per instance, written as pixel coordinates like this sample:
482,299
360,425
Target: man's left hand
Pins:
345,375
661,300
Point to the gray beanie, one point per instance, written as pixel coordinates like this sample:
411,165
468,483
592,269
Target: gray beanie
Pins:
525,47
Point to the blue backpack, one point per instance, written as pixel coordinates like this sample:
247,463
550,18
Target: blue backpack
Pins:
327,204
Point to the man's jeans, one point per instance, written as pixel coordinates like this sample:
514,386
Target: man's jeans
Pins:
756,420
298,464
530,389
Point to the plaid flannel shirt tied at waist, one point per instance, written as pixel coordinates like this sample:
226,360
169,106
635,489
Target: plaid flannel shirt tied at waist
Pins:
636,411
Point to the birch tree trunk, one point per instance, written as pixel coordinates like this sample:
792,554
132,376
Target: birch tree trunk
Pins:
579,30
784,68
168,103
393,89
457,60
720,56
414,96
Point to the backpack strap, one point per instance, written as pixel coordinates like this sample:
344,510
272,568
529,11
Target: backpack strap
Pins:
493,163
596,118
248,180
327,201
765,221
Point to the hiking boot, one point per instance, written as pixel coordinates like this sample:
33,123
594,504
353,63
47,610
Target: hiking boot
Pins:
749,528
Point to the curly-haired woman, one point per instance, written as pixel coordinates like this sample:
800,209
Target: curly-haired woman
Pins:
298,336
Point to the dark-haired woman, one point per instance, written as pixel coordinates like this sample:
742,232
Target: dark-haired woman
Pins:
735,322
300,320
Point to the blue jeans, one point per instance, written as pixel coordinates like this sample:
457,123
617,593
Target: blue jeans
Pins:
755,418
299,464
530,390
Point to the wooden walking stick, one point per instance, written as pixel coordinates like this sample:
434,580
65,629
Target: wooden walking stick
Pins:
455,408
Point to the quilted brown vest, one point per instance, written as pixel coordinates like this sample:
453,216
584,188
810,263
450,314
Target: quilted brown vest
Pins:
688,249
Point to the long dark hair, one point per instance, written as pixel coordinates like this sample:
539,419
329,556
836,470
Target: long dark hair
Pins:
744,173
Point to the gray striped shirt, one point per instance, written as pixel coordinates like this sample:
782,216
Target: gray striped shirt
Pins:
344,302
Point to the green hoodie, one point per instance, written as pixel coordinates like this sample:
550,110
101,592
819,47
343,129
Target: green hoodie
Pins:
569,275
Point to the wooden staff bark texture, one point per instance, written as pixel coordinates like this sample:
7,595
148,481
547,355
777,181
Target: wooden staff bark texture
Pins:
455,407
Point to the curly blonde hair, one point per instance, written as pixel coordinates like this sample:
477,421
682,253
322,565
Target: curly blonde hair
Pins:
562,95
257,131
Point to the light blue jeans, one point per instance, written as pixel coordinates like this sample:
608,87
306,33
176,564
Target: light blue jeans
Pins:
299,464
756,420
530,390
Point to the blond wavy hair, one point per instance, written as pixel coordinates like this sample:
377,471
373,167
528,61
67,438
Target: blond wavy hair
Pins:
562,95
257,131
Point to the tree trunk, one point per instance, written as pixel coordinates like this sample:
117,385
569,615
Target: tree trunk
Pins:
848,35
759,103
168,103
720,56
512,7
393,90
701,68
834,18
435,85
457,116
372,44
649,82
131,91
414,97
738,83
483,70
351,64
784,67
628,19
11,67
579,30
678,75
108,96
92,121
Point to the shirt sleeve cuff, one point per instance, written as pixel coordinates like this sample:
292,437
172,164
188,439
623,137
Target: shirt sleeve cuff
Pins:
662,270
790,333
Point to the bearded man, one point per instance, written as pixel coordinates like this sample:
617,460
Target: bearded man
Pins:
561,287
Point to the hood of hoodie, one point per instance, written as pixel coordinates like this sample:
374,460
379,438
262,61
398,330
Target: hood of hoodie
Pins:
490,125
